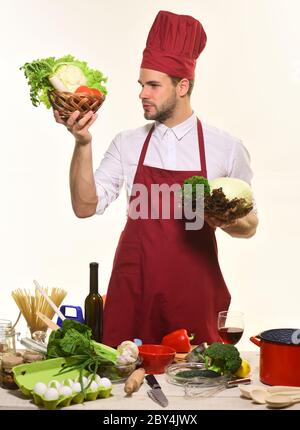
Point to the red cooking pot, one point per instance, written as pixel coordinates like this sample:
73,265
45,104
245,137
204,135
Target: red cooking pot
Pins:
279,356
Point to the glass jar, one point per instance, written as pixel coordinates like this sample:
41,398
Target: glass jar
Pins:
7,337
9,360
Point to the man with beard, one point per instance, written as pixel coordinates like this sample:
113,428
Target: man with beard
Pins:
164,277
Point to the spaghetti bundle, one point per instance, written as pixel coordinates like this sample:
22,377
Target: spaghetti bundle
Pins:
29,304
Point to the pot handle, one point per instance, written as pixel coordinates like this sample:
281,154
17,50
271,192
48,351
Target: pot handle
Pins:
255,340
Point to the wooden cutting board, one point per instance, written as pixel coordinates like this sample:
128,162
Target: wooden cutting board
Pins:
180,357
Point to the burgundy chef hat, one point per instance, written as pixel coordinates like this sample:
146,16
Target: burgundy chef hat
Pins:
174,43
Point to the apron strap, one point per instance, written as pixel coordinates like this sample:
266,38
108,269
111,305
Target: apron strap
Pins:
201,149
145,147
203,170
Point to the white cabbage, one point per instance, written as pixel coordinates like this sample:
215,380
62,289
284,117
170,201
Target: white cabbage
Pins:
70,76
57,84
233,188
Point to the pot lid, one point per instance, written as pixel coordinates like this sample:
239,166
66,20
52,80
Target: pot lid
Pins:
286,336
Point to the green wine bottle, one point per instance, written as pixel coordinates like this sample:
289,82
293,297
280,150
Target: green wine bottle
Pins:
93,305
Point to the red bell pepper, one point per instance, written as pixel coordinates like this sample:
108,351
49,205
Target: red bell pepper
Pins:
179,340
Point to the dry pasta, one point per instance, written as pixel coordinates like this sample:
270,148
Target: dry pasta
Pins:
29,304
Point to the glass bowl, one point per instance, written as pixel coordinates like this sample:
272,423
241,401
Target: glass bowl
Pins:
118,373
194,374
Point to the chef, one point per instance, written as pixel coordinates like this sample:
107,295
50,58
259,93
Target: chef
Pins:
164,276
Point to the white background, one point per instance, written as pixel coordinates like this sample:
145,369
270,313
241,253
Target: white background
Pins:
247,83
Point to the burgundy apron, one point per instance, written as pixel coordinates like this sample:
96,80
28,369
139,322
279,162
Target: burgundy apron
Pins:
164,277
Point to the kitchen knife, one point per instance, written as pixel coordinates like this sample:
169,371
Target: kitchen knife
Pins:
156,393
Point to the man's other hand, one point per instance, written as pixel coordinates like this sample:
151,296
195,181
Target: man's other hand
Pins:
80,128
214,222
244,227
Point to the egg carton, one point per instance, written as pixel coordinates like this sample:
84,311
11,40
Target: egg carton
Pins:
49,372
75,398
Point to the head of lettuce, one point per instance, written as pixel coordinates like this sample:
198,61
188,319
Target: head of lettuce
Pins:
64,74
225,199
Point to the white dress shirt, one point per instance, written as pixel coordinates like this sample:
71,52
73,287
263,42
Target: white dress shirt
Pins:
174,148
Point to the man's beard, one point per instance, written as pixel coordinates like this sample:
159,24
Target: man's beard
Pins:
165,111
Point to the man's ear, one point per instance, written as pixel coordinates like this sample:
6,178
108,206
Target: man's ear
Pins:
183,87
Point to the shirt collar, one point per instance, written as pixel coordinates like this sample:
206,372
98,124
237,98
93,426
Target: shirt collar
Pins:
180,130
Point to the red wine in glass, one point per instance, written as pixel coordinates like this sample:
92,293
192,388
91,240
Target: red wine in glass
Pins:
230,326
230,334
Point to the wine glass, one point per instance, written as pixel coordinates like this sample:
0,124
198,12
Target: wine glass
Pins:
230,326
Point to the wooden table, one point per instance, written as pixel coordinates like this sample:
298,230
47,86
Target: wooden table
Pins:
224,400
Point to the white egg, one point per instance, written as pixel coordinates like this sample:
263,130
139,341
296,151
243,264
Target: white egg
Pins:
105,382
85,381
95,378
64,390
51,394
68,382
54,384
76,387
93,386
40,388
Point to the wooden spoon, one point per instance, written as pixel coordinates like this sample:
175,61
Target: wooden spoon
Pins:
259,395
281,401
47,321
282,389
246,390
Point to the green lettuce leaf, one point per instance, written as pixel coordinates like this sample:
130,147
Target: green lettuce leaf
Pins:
38,72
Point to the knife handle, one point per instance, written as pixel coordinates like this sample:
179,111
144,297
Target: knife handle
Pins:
236,382
152,381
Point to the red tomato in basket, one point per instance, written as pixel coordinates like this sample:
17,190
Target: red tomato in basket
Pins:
83,89
88,90
96,92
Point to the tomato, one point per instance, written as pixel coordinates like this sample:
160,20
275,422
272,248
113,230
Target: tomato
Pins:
88,90
83,89
96,92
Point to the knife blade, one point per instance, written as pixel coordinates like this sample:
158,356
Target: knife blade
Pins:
156,393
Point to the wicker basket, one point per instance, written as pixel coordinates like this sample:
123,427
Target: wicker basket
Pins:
66,103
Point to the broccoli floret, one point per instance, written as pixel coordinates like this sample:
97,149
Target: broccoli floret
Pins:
222,358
